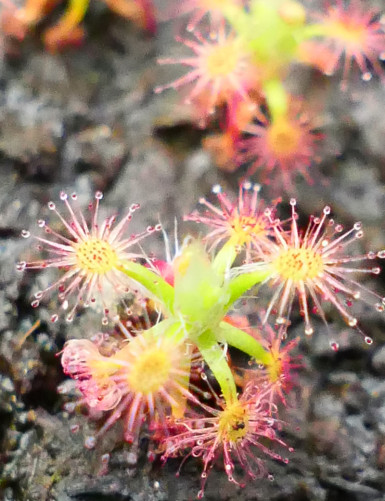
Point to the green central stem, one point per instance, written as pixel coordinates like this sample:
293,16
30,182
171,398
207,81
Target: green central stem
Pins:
216,360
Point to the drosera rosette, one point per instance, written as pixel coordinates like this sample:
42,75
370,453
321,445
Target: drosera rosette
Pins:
281,148
243,432
348,31
351,33
315,265
144,381
246,223
221,74
280,374
88,253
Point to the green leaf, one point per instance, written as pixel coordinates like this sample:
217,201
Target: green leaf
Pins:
154,283
243,341
216,360
245,281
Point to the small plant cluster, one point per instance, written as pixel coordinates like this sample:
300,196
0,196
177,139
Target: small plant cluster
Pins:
171,323
239,62
163,361
241,53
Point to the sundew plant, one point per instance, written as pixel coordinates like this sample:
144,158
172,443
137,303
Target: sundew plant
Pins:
147,376
170,323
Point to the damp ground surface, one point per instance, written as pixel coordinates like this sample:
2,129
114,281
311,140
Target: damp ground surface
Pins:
88,120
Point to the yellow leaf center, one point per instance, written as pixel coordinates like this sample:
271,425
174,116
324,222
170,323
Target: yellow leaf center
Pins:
283,138
298,264
96,256
275,367
222,60
233,423
244,228
150,372
352,34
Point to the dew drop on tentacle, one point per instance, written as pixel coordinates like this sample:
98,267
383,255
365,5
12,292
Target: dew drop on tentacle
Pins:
21,266
61,389
309,330
334,345
90,442
69,407
132,457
